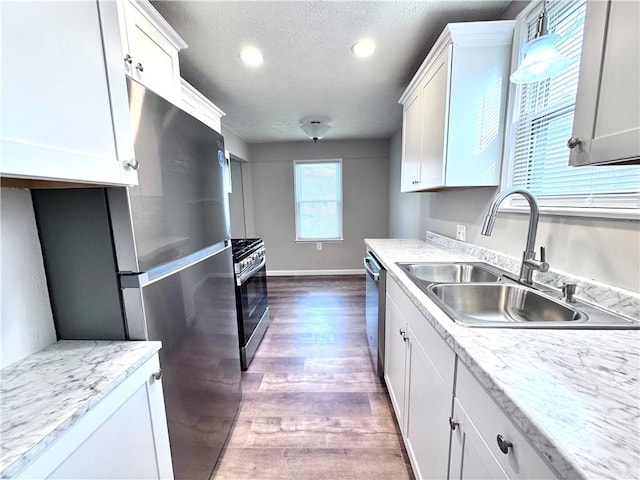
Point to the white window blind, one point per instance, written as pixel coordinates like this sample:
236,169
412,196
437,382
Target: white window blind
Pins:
318,197
543,122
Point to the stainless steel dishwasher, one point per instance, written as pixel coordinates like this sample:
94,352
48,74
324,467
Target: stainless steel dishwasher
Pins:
375,311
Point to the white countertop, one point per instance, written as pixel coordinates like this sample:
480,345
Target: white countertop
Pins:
574,393
42,396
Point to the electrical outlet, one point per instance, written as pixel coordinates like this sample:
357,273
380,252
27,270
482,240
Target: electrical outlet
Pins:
461,233
318,245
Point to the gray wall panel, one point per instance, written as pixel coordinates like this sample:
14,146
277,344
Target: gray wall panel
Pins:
366,201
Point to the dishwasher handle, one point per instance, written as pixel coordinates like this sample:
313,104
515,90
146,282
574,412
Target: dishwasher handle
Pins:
374,273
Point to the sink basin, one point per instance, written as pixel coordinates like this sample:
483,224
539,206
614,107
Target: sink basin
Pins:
475,294
503,305
451,272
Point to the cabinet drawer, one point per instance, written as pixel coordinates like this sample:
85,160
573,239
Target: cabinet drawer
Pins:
522,461
437,350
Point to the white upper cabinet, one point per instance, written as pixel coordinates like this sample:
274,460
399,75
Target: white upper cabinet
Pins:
606,126
150,48
454,109
65,111
196,104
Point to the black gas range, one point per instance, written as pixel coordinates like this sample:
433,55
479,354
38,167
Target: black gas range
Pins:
250,270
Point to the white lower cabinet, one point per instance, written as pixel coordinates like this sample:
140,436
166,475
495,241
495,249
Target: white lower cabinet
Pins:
124,436
485,423
428,400
471,458
395,359
447,437
417,362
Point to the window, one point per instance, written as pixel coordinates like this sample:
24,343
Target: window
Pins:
318,197
543,121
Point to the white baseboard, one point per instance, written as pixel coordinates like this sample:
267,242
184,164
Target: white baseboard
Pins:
306,273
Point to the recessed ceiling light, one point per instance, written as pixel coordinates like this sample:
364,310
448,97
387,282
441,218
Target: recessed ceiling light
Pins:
251,56
364,47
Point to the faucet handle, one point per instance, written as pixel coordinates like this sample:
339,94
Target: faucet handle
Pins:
542,265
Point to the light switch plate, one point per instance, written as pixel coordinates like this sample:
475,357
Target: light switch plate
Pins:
318,245
461,233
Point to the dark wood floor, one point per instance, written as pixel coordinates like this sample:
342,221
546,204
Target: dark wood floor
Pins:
312,407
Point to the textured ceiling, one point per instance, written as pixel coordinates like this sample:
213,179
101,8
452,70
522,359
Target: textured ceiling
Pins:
308,65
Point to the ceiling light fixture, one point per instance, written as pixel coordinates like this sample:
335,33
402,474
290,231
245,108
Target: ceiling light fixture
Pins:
315,128
541,59
251,56
364,47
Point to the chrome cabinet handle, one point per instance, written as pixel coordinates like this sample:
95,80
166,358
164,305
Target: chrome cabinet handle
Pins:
127,58
139,67
503,444
132,164
573,142
157,375
453,424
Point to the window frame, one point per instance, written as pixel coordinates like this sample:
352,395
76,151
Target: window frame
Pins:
338,239
623,206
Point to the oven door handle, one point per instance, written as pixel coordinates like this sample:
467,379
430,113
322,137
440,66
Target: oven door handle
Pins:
244,276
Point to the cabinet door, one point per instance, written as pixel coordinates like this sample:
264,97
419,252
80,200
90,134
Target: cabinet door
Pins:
108,453
428,409
154,58
394,361
411,144
607,113
434,98
123,436
157,411
56,93
471,459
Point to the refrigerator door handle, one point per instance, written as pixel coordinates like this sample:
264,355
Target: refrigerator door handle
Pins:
153,275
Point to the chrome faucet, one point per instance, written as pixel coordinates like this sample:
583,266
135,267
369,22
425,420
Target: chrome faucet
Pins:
529,262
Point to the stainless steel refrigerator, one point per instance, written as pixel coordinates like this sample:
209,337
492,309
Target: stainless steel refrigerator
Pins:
153,262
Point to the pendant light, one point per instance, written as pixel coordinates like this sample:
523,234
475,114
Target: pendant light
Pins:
541,59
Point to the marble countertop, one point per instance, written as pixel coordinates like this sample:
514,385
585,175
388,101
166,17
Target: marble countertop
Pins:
574,393
42,396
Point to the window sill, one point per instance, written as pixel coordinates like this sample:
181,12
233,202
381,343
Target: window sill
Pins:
615,213
320,240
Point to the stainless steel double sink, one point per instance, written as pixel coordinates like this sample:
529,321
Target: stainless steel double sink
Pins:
476,294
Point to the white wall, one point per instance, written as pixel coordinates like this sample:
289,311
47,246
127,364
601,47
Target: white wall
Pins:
239,150
366,212
234,144
26,321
